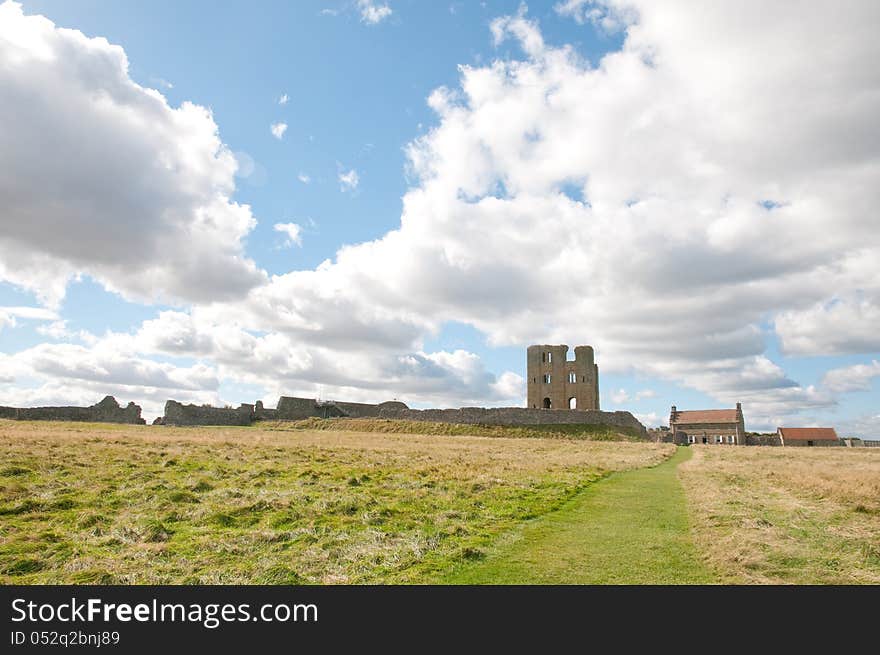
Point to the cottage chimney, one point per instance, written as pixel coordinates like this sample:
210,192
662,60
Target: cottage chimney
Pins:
739,407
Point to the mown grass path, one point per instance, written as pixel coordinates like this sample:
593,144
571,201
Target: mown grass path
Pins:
628,528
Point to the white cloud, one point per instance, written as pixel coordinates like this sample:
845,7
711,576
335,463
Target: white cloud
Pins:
645,393
608,16
293,233
654,202
838,326
284,99
348,180
102,176
278,130
165,84
651,419
32,313
373,12
852,378
8,315
305,179
619,397
631,202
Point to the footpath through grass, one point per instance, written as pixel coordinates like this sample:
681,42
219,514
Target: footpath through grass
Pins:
629,528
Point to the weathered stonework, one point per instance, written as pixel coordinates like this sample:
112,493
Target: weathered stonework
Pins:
179,414
106,411
516,416
288,409
554,382
295,409
763,440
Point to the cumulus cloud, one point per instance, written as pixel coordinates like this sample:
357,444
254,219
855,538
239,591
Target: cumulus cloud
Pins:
304,178
852,378
348,180
276,361
838,326
278,130
653,205
373,12
673,204
619,397
607,16
292,231
99,175
284,99
32,313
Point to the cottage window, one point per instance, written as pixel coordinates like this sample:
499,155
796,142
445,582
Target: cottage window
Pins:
730,438
719,439
692,438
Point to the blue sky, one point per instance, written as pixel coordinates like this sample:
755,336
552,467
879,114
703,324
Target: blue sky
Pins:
605,173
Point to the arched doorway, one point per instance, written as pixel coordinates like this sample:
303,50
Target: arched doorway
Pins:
546,403
572,403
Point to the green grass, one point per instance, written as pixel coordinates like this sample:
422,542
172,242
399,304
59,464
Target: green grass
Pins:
141,505
629,528
395,426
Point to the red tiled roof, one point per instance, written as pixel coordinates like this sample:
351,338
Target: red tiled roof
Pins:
706,416
808,434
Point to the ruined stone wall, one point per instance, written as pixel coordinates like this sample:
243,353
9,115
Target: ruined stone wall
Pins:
179,414
659,435
106,411
516,416
295,409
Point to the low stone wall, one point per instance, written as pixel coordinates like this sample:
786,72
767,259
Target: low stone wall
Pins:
516,416
178,414
763,440
819,443
657,435
106,411
295,409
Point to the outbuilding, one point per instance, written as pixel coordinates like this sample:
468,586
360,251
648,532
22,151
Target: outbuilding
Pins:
808,437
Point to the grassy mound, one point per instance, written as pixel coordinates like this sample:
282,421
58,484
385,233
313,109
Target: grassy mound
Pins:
394,426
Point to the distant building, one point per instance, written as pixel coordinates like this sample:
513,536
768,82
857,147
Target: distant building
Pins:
555,382
708,426
808,437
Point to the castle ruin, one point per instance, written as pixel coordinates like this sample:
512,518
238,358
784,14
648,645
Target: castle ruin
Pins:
555,382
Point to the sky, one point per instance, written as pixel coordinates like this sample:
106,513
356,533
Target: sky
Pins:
373,199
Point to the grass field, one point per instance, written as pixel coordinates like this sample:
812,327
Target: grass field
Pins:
787,515
363,503
389,426
99,503
629,528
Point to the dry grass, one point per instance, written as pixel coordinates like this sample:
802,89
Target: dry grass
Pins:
396,426
138,504
787,515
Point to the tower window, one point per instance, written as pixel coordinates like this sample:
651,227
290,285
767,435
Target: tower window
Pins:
572,378
546,378
549,358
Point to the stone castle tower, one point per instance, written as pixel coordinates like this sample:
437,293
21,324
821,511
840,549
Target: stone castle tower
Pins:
554,382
